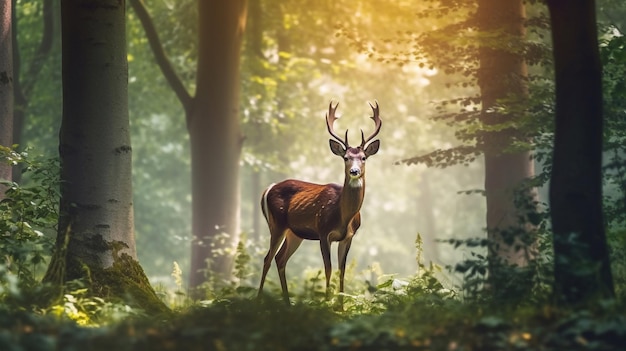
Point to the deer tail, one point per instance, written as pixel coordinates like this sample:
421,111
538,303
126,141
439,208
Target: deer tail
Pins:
264,206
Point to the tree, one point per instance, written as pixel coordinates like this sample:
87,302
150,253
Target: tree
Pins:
581,263
24,85
6,87
212,117
502,78
482,48
95,240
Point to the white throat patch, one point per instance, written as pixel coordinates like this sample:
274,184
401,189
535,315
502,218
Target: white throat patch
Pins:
356,182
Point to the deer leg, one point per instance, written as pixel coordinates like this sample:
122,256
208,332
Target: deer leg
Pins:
342,256
325,248
292,242
276,239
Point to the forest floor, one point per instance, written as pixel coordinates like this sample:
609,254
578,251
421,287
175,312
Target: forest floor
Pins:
423,323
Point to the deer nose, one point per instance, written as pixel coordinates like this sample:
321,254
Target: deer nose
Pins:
355,171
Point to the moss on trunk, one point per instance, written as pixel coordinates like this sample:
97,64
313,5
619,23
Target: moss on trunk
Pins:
125,280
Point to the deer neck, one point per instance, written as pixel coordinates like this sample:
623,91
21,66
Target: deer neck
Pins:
351,198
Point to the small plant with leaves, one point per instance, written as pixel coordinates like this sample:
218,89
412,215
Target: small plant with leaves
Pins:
27,212
79,306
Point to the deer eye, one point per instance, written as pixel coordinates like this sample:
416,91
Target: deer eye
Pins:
363,158
345,158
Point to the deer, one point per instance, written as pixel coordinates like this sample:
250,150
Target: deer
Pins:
296,210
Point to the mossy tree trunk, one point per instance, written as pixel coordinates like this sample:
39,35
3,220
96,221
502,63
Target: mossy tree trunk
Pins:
6,87
502,78
581,260
95,240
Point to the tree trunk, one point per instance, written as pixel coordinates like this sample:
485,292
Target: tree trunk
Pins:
213,124
582,268
503,75
95,239
254,50
6,88
215,136
25,81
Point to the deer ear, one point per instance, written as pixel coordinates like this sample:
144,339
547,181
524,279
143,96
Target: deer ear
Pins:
372,148
337,148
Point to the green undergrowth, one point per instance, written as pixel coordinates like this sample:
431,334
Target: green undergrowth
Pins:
269,324
414,314
419,313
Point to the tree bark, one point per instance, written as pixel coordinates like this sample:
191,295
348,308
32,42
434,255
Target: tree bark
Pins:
503,76
6,87
95,239
216,139
581,263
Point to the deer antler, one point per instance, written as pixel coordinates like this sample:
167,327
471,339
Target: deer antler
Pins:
377,122
330,120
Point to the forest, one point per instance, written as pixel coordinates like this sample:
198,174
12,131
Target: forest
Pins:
170,175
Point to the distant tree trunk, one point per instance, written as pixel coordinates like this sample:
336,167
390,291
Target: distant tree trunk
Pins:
6,87
582,269
213,123
24,85
95,239
254,50
503,75
216,138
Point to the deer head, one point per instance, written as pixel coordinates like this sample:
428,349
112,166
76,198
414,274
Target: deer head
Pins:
354,157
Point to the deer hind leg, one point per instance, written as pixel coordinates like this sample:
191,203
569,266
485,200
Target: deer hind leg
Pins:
276,239
292,242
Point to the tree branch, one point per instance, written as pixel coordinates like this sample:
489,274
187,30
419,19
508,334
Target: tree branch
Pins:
159,54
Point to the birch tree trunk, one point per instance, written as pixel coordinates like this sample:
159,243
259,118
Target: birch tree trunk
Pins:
95,239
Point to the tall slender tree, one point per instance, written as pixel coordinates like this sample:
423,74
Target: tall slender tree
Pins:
6,86
212,117
25,80
95,240
502,78
488,48
581,262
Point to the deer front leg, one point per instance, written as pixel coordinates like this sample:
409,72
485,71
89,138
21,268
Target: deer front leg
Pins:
342,257
325,248
342,254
